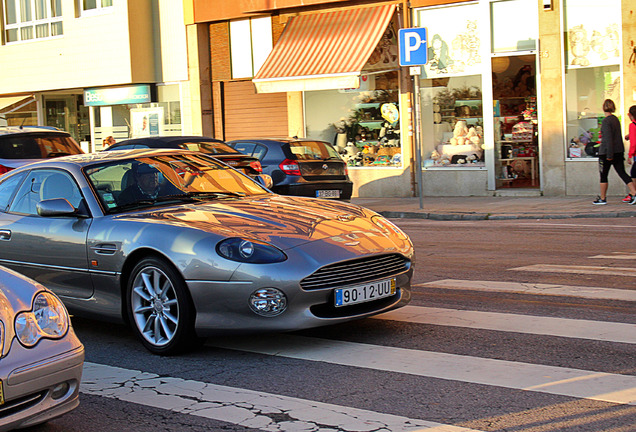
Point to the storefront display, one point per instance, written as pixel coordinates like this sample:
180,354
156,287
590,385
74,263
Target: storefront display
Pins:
592,70
363,124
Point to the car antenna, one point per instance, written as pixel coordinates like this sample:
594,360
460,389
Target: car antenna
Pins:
22,124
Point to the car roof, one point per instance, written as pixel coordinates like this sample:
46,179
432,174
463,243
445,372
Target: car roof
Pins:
87,159
167,140
14,130
279,140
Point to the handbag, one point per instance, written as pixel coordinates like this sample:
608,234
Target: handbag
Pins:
591,149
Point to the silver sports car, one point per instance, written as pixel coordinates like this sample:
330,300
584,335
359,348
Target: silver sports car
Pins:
41,359
182,247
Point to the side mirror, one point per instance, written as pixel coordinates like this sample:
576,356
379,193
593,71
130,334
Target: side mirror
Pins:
265,180
56,207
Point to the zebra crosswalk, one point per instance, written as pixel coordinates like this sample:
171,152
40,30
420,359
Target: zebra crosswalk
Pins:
610,396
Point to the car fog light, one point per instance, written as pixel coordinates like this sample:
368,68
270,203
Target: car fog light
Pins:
60,390
268,302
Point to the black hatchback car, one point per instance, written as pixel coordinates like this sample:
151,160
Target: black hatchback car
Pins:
300,167
212,147
23,145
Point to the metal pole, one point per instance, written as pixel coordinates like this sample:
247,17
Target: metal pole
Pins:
418,133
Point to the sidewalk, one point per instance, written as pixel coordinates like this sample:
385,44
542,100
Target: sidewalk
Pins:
496,208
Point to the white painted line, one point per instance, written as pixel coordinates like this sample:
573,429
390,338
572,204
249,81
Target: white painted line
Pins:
241,407
570,328
597,270
597,293
618,255
607,387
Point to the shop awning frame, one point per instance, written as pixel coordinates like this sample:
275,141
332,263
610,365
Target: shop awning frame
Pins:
13,100
325,50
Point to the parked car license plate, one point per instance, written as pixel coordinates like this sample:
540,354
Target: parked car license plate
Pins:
331,193
364,293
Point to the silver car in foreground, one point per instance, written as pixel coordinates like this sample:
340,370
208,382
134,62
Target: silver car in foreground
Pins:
184,247
41,359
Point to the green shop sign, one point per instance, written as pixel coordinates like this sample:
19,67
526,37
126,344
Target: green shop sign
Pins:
117,95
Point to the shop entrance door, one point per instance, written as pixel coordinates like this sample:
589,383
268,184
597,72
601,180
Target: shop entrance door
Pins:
516,137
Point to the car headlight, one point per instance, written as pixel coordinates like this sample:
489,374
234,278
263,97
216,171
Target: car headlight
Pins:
1,338
249,251
46,319
389,227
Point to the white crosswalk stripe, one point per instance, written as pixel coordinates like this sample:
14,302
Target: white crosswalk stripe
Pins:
239,406
606,387
617,255
571,328
595,270
597,293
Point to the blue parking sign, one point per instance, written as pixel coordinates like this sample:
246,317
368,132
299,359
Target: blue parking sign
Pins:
413,46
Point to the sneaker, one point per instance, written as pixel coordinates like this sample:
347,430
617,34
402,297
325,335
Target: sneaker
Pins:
633,201
600,201
628,199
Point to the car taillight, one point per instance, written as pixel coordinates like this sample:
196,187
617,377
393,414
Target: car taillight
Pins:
290,167
256,166
4,169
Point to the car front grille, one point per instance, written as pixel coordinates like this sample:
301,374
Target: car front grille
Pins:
21,404
356,272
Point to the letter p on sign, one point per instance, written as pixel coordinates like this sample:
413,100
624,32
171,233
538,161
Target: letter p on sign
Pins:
413,46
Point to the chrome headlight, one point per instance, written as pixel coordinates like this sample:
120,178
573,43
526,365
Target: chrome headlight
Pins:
1,338
46,319
249,251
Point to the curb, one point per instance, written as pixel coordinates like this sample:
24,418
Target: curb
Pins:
490,216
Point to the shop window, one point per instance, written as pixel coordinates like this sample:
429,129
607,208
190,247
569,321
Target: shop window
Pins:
450,88
592,70
95,6
453,118
508,34
250,44
32,19
363,124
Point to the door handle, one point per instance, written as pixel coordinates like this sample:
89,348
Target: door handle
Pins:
5,234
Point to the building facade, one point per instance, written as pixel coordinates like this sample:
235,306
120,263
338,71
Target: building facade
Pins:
95,68
511,93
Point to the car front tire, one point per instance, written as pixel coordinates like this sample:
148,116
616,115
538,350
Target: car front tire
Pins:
160,309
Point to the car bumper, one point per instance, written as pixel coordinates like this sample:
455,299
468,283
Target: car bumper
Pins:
223,307
30,390
310,189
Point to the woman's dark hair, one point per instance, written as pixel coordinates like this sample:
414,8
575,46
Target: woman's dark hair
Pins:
608,106
632,111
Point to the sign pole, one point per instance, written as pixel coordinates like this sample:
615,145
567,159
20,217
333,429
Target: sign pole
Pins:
415,72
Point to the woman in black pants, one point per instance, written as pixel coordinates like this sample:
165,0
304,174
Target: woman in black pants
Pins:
611,152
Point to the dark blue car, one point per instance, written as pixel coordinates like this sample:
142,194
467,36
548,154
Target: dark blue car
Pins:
300,167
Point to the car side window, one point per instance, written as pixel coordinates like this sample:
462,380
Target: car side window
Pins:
127,147
42,185
245,148
7,189
259,151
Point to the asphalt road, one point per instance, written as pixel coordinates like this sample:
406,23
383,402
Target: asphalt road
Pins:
523,326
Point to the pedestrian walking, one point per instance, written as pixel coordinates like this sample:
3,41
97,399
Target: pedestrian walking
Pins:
611,153
631,154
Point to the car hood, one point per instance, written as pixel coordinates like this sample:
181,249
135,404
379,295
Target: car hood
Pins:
283,221
16,293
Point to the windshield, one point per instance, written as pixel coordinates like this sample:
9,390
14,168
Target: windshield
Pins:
37,146
149,181
312,150
209,147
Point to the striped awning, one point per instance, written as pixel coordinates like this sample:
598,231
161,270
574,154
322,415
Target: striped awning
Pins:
323,50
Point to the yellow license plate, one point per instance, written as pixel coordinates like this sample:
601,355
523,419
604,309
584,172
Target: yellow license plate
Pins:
1,393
